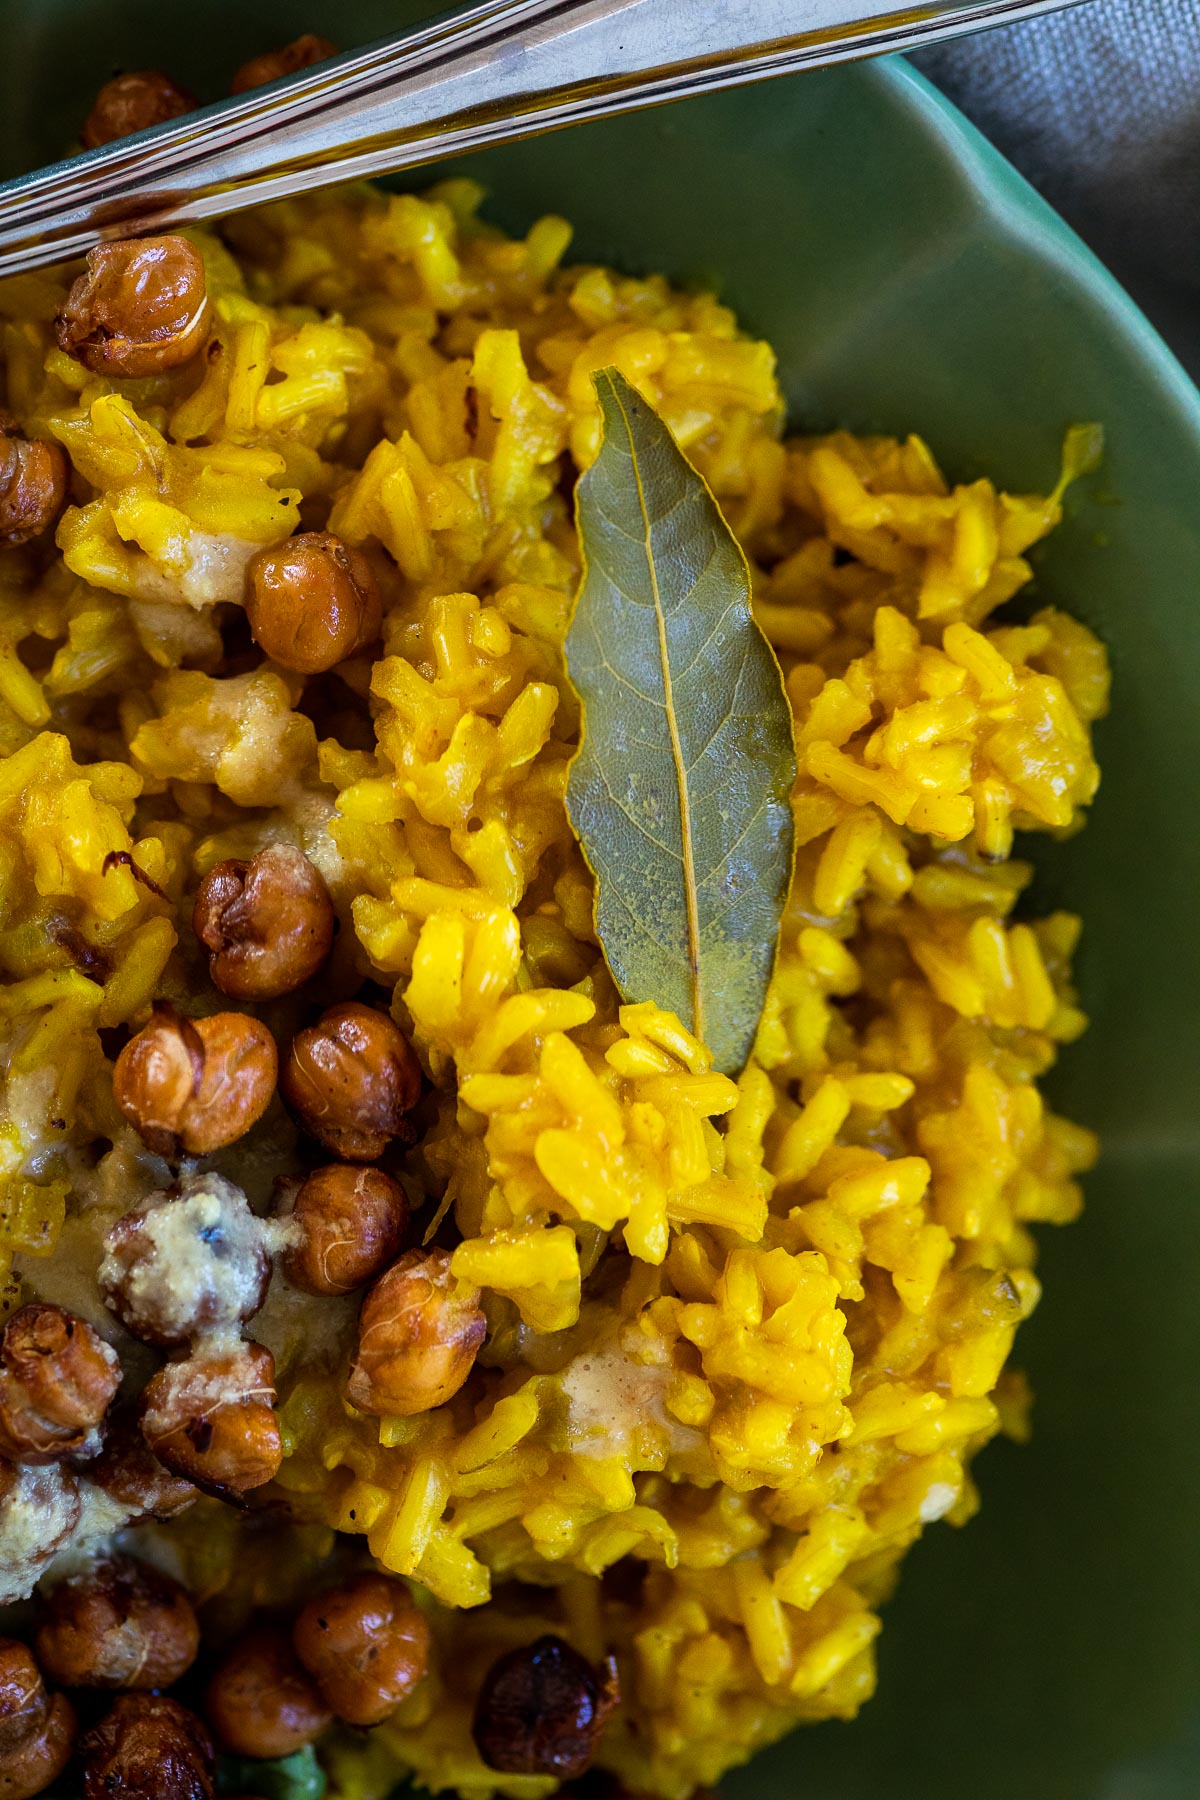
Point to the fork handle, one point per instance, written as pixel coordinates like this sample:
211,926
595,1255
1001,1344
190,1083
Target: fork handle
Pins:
501,69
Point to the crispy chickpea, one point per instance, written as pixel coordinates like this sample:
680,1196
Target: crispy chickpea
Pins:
40,1508
353,1079
134,102
312,602
419,1333
541,1710
302,53
262,1701
140,308
212,1419
267,924
366,1646
57,1379
148,1747
195,1084
37,1730
193,1259
33,483
132,1476
118,1624
352,1223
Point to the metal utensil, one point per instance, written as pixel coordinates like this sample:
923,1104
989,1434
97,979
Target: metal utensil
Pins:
499,69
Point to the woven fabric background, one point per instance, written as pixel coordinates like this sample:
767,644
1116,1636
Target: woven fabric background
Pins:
1099,106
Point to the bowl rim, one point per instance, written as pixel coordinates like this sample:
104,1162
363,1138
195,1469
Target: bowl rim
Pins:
1027,218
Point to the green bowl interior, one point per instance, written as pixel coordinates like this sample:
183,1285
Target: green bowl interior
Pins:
911,281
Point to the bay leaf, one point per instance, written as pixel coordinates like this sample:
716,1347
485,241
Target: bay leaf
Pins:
679,792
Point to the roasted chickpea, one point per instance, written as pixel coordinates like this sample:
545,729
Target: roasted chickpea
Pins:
39,1510
148,1747
419,1333
267,924
193,1259
140,309
33,483
300,54
57,1379
37,1731
352,1079
118,1624
134,102
312,602
352,1222
261,1701
212,1419
195,1084
366,1646
541,1710
132,1476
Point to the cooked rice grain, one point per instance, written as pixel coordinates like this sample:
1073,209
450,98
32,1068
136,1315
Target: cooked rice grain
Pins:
750,1333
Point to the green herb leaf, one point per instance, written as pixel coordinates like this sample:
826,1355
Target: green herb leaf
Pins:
296,1777
679,793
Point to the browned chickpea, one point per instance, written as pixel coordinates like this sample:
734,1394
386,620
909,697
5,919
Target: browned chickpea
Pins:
33,483
312,602
261,1701
37,1731
40,1507
140,309
134,102
366,1646
119,1624
352,1222
148,1747
267,924
302,53
132,1476
541,1710
193,1259
419,1333
195,1084
212,1419
57,1379
353,1079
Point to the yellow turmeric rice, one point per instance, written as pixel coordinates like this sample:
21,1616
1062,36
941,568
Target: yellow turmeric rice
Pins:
744,1337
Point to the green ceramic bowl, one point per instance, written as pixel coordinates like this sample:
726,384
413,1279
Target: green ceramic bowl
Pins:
911,281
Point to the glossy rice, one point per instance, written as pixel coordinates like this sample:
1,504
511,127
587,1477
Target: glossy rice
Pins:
745,1337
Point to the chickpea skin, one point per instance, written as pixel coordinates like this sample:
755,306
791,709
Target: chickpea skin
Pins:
302,53
148,1747
57,1380
419,1333
353,1079
312,602
352,1224
541,1710
267,924
193,1259
119,1624
37,1730
366,1646
33,483
140,308
133,102
262,1702
212,1419
195,1085
132,1476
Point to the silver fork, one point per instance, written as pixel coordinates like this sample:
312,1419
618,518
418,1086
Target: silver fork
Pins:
500,69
